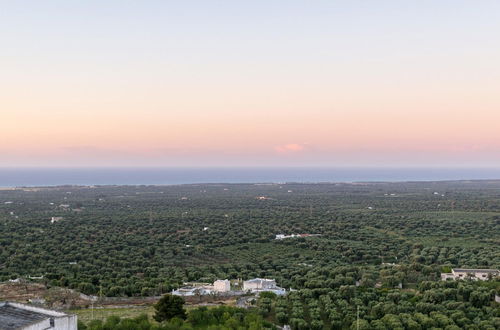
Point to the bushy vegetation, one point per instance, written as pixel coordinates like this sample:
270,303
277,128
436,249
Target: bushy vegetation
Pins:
200,318
438,305
381,247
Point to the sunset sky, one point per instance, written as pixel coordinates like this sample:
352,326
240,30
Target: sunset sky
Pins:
246,83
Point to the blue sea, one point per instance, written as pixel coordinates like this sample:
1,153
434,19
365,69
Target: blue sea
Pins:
23,177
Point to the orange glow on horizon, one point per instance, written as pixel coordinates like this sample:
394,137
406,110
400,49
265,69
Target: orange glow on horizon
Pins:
417,87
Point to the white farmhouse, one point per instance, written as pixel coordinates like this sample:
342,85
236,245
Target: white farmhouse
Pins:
222,286
259,284
24,317
471,274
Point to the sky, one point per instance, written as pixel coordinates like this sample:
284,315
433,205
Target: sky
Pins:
250,83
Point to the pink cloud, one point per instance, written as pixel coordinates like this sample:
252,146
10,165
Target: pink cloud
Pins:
289,148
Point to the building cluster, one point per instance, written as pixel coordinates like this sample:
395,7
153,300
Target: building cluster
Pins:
470,274
255,285
24,317
219,286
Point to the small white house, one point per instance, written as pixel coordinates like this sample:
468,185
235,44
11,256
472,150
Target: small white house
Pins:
222,286
24,317
55,219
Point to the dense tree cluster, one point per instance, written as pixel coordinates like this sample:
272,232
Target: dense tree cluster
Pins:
438,305
379,245
432,305
147,240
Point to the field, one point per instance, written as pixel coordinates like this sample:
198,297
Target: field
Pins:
87,315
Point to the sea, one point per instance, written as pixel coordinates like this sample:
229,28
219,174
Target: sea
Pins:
37,177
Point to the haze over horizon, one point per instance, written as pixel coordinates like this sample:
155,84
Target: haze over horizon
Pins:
261,83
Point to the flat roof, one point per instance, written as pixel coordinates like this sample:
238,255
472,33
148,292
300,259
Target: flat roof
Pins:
259,280
465,270
12,317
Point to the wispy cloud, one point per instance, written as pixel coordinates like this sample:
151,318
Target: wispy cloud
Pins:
290,148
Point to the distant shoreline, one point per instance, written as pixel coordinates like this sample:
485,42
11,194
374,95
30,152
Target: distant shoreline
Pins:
360,183
54,177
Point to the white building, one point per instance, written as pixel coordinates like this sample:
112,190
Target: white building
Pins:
23,317
55,219
191,291
259,284
222,286
283,236
470,274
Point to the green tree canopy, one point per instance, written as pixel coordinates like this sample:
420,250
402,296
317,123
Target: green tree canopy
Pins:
169,307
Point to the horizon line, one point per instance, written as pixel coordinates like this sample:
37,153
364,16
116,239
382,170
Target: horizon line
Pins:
471,167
